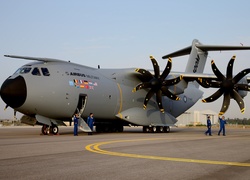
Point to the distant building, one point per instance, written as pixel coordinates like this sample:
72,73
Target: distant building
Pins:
197,117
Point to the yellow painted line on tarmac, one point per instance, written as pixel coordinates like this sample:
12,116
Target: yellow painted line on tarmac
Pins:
95,148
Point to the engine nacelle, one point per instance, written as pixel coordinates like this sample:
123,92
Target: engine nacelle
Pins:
177,88
243,93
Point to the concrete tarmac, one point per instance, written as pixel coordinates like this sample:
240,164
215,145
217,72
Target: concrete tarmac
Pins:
184,153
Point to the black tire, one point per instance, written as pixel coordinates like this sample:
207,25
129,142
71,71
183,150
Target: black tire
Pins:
120,128
45,130
154,129
160,129
167,129
54,129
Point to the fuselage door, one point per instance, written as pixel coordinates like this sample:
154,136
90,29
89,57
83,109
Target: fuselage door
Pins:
81,103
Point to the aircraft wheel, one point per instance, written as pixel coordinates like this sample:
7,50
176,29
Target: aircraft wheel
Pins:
98,128
154,129
167,129
113,128
106,128
54,129
160,129
120,128
147,129
45,129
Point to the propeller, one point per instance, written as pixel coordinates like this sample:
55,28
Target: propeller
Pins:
228,86
157,84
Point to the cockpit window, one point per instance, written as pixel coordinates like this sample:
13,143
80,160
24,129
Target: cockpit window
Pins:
45,71
36,72
23,70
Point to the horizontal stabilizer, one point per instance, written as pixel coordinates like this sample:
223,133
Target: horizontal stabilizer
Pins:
221,48
187,50
182,52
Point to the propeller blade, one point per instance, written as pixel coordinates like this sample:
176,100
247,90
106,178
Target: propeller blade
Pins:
171,82
214,96
203,82
6,107
141,86
156,67
14,114
226,103
147,98
244,87
145,73
159,100
230,68
170,95
239,100
217,72
240,75
227,86
167,69
156,83
215,84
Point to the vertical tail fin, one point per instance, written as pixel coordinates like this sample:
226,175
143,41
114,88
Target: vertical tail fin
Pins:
197,58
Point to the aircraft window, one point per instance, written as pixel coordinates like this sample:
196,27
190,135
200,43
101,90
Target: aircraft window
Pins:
45,71
23,70
36,72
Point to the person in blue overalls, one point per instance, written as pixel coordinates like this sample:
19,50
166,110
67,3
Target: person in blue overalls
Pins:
208,126
76,119
90,122
222,126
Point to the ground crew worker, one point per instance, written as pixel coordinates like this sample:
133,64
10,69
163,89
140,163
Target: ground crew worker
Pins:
76,119
222,126
209,125
90,122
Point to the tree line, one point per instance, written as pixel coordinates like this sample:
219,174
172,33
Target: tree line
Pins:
244,121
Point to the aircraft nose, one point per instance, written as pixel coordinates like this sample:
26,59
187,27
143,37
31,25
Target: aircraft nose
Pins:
14,92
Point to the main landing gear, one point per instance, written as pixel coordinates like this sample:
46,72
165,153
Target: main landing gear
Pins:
46,130
109,128
156,129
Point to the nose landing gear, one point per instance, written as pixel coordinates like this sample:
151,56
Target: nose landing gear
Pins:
46,130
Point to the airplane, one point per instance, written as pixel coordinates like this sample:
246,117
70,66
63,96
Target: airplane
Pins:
48,92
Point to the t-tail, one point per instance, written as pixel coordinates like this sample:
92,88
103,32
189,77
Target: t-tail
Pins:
197,58
198,54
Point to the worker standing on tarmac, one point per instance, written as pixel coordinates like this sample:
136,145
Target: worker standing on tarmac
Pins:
222,126
209,125
90,122
76,119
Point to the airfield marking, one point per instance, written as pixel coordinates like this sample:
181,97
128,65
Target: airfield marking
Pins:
95,147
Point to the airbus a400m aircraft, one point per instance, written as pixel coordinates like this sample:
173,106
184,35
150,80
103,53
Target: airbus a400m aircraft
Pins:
49,91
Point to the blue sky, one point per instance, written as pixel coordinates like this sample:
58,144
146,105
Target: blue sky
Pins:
122,34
